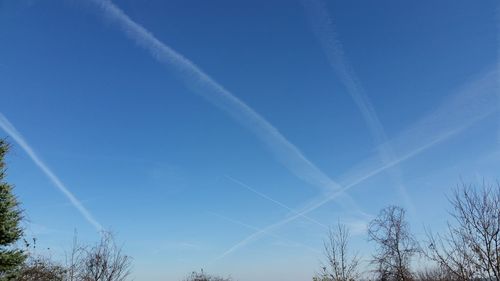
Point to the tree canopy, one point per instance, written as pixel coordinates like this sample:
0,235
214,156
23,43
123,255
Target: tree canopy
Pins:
11,258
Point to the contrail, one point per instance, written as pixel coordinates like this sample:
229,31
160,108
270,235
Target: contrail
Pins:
275,201
201,83
322,201
324,30
12,132
473,103
267,233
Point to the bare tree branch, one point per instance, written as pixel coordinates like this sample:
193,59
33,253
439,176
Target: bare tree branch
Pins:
470,249
396,245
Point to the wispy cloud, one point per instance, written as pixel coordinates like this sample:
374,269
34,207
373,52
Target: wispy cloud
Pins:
204,85
324,30
474,102
18,138
284,151
37,230
178,246
356,227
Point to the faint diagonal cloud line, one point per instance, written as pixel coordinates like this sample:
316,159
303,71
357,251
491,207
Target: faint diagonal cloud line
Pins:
246,186
322,201
267,233
474,102
324,30
201,83
18,138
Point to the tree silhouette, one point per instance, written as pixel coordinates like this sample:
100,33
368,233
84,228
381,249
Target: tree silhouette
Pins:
11,258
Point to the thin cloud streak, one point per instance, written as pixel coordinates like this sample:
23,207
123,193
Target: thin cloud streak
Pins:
474,102
201,83
324,29
275,201
14,134
265,232
322,201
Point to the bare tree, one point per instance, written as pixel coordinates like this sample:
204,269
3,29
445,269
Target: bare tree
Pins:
340,265
396,245
104,261
202,276
471,247
74,260
41,269
434,274
452,254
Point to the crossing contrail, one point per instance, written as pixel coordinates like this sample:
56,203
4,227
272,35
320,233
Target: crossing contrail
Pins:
323,200
324,30
284,151
275,201
201,83
474,102
267,233
18,138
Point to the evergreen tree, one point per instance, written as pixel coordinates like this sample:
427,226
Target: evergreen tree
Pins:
11,259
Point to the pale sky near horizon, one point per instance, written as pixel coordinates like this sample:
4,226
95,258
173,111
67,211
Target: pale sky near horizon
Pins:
198,130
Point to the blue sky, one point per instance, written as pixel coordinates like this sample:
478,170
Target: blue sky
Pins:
213,133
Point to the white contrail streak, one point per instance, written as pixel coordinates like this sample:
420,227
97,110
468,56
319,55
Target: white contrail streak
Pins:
324,30
14,134
267,233
201,83
322,201
275,201
473,103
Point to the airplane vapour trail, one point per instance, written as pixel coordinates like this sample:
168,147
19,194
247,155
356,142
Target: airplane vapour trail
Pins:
275,201
318,202
18,138
474,102
324,30
267,233
199,82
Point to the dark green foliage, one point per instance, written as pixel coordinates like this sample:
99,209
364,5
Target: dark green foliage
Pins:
11,259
